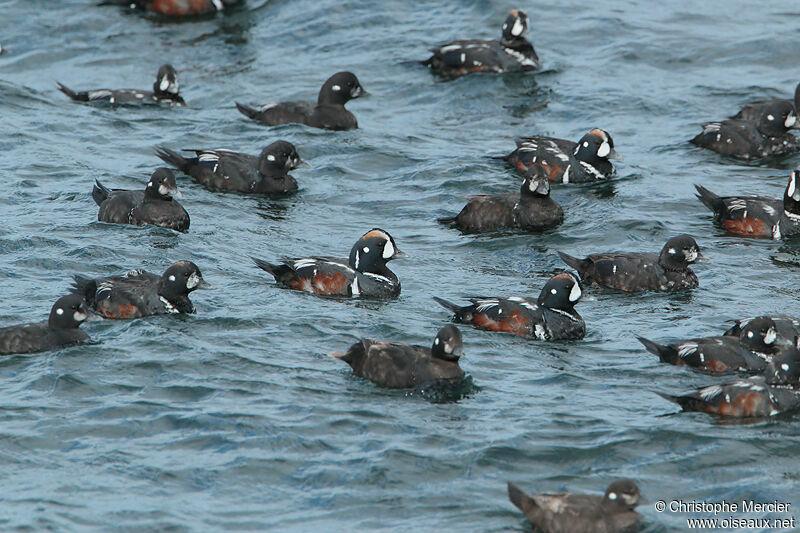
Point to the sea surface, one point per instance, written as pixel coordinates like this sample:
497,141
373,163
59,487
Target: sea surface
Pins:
235,418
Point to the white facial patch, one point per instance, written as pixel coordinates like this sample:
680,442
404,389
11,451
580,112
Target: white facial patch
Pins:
553,291
784,366
671,251
388,250
749,334
770,117
59,311
790,190
691,255
612,495
78,316
436,341
336,88
193,281
174,87
163,190
171,278
585,144
366,249
791,120
604,150
771,335
517,28
575,293
164,84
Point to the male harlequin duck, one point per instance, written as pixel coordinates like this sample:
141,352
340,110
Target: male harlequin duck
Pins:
138,293
400,366
154,205
754,110
749,352
550,317
177,8
566,161
751,397
632,271
569,512
165,91
531,210
787,327
225,170
757,216
753,139
363,275
511,53
327,113
61,329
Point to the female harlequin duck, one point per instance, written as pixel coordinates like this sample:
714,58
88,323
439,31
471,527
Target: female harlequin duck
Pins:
154,205
550,317
565,161
138,293
61,329
531,210
632,272
754,110
569,512
753,139
177,8
744,398
787,327
400,366
165,91
363,275
757,216
511,53
749,352
327,113
226,170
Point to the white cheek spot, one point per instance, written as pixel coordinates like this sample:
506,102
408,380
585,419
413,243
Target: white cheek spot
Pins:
553,291
149,184
575,293
770,117
790,120
366,249
171,278
463,58
388,250
770,336
604,150
612,495
59,311
436,341
518,28
585,144
336,88
139,96
671,251
164,84
749,334
785,367
270,157
163,190
111,100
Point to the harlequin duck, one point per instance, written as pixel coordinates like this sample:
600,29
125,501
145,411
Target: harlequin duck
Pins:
632,271
569,512
165,91
154,205
400,366
743,398
565,161
757,216
550,317
138,293
177,8
787,327
748,353
61,329
745,139
754,110
327,113
363,275
226,170
511,53
531,210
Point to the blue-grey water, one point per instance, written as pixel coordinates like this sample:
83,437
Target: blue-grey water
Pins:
235,418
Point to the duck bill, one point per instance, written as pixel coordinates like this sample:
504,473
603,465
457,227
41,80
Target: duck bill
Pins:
204,285
399,254
614,155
